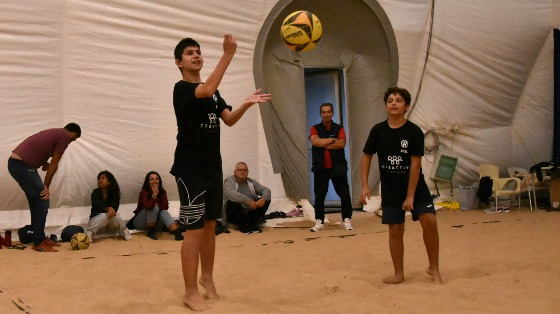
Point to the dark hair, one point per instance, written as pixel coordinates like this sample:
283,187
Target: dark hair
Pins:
327,104
184,43
146,185
73,127
397,90
114,192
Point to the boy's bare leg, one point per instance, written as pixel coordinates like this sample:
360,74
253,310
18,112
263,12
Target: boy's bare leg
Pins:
207,252
431,241
396,246
190,251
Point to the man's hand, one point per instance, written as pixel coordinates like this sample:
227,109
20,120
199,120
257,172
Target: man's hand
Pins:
111,212
45,166
45,194
252,205
260,203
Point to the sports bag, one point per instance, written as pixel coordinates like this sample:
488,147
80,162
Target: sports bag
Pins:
25,234
69,231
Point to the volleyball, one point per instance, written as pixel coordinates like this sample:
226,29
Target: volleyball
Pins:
79,241
301,31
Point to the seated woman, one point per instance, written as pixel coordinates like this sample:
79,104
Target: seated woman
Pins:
152,212
104,206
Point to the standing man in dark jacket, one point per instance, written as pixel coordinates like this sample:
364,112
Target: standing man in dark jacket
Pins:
328,140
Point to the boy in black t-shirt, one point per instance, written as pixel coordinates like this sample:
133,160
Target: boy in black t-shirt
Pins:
399,145
198,164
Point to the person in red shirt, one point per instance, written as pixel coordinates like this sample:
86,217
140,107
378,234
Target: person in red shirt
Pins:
34,153
329,163
152,213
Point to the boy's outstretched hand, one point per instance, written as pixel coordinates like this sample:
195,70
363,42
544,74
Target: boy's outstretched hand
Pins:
230,45
257,97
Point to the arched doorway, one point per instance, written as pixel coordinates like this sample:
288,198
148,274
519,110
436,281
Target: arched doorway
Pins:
358,38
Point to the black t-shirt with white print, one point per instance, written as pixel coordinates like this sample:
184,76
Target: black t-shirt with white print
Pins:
394,148
198,136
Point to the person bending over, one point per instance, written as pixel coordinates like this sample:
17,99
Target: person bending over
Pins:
34,153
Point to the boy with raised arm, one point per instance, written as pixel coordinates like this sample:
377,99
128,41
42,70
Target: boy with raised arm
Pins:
198,164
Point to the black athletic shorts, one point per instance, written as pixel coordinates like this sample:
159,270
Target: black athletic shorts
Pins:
395,215
201,199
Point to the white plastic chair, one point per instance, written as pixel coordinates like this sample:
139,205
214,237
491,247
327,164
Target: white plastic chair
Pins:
501,187
527,182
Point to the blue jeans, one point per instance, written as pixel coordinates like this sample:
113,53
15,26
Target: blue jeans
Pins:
149,216
31,183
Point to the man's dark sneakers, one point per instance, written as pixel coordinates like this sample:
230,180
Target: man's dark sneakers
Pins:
245,229
152,234
255,229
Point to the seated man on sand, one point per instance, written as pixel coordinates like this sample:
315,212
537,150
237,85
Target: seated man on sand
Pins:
245,200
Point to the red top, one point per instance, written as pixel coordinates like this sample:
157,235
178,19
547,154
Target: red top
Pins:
328,160
145,200
38,148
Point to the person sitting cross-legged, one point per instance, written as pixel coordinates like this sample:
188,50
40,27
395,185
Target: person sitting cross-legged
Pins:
245,200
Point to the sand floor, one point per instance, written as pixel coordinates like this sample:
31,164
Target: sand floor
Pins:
491,263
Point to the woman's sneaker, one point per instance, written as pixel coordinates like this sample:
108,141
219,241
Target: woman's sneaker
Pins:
319,225
126,234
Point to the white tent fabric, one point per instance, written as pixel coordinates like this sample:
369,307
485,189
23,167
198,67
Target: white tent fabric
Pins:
108,66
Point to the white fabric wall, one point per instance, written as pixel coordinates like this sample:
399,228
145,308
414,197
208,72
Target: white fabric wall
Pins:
108,66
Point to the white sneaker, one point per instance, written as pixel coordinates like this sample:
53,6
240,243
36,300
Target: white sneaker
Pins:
347,224
89,234
126,234
318,226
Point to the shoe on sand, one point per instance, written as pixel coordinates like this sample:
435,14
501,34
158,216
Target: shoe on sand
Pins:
296,212
347,224
49,242
126,234
43,248
319,225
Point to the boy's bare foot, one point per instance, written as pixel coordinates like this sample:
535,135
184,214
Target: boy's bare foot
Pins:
195,303
208,285
436,276
397,278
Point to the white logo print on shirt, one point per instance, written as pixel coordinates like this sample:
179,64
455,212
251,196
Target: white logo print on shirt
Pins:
404,143
394,160
212,117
